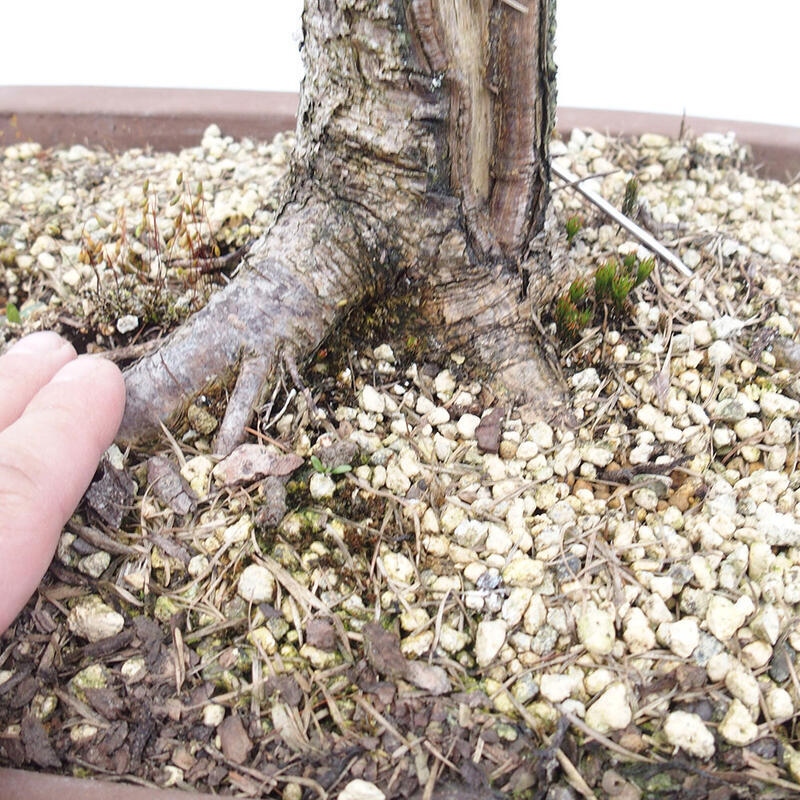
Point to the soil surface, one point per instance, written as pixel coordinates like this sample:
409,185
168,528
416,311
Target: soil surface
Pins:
385,597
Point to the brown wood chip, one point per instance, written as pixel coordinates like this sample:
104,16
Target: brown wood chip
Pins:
236,744
110,497
251,461
38,749
169,486
489,430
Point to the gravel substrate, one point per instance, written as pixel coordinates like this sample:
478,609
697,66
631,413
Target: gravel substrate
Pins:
639,573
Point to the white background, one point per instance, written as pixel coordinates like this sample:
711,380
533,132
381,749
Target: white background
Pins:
734,59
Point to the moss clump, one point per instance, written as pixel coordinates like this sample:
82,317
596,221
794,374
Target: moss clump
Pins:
613,283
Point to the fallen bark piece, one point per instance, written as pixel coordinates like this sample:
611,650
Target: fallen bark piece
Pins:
383,652
251,461
110,497
235,743
169,486
38,749
489,429
428,677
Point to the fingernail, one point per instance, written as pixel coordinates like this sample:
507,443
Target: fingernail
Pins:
39,343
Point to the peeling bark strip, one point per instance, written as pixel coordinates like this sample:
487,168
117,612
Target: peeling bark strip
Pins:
422,151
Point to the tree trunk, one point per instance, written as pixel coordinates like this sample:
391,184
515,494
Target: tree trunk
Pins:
423,153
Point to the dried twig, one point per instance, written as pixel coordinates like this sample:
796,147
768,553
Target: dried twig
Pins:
640,233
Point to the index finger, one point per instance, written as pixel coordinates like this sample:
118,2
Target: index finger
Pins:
47,459
27,366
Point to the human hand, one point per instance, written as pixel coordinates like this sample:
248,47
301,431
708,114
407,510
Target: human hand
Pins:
58,413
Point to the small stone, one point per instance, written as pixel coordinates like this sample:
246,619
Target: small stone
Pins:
95,564
213,714
397,481
439,416
779,704
398,568
417,644
756,654
424,405
527,450
780,253
730,411
451,517
489,639
319,658
524,571
239,531
127,324
748,428
83,732
444,384
95,676
780,529
719,353
774,404
557,688
724,618
321,485
508,449
256,584
451,640
645,498
587,379
725,326
637,633
689,732
384,352
743,686
767,624
197,472
737,727
471,533
700,332
359,789
263,638
467,425
598,455
524,689
542,435
516,604
596,630
372,400
681,637
498,540
133,669
778,432
92,619
611,711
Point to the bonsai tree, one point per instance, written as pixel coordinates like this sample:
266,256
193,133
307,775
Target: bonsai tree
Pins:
421,166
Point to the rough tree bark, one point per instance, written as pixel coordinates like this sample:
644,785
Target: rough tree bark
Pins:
423,152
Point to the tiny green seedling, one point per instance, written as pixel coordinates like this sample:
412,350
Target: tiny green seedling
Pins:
574,224
339,469
12,313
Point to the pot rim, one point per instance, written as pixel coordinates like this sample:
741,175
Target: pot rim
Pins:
118,118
